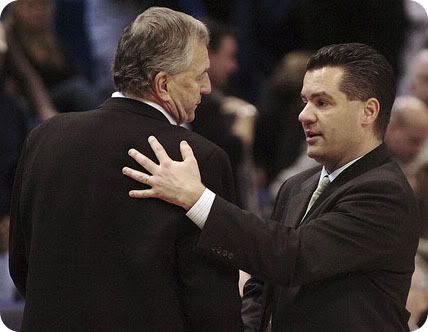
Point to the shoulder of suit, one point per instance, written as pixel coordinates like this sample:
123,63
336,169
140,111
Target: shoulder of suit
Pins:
197,141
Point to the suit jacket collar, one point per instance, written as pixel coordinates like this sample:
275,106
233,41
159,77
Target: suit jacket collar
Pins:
134,106
373,159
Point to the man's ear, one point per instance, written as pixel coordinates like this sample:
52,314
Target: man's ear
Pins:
160,85
370,112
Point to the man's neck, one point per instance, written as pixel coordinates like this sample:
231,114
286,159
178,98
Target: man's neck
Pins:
152,101
373,144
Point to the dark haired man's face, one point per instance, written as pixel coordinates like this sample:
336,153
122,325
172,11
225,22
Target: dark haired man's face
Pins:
223,62
332,122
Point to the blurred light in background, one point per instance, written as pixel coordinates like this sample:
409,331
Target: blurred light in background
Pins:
423,3
4,3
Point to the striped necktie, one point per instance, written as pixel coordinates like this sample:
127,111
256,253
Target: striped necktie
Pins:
321,187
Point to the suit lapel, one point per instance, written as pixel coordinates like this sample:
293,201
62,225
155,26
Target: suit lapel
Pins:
300,201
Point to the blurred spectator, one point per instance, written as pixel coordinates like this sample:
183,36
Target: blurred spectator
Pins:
417,302
13,129
421,187
416,39
407,131
105,21
405,136
30,27
227,121
418,76
279,135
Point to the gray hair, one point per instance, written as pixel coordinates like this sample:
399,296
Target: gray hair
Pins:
159,39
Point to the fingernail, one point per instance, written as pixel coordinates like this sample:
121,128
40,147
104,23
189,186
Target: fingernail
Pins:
151,138
131,152
124,170
131,194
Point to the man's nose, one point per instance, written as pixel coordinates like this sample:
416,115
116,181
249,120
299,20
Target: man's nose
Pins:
306,115
206,87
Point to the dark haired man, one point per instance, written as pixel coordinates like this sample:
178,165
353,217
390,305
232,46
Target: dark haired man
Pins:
223,119
339,254
86,257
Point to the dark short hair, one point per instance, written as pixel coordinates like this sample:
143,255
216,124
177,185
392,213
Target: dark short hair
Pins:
159,39
218,30
367,74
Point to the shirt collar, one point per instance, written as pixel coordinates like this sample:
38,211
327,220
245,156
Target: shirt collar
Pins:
171,120
336,173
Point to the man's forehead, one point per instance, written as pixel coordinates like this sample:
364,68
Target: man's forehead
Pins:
320,81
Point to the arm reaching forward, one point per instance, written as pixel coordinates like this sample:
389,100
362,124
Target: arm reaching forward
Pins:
176,182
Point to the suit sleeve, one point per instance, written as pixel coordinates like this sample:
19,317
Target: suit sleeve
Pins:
256,297
252,304
362,231
209,287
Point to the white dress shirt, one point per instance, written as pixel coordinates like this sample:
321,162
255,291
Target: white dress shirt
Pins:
171,120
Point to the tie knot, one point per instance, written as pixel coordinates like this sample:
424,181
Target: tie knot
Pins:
325,181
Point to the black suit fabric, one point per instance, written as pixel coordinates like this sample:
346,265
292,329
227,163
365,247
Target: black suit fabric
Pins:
89,258
346,267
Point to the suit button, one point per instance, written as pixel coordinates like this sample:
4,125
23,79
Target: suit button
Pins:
230,256
218,251
225,253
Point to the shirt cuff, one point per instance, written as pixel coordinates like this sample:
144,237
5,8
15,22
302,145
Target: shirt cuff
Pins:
200,211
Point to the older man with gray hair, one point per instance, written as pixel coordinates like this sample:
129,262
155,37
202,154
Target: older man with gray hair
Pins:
85,256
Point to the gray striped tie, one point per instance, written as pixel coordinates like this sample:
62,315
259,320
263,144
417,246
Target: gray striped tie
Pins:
322,185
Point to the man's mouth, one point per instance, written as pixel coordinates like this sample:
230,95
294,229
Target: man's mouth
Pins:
310,134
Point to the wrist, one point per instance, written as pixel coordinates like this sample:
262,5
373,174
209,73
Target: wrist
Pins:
192,196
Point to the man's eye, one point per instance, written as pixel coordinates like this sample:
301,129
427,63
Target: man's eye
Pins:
201,77
322,103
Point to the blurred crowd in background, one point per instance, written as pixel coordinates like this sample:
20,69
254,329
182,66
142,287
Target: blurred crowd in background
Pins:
56,56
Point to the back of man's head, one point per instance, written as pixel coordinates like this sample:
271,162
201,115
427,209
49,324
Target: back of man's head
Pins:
367,74
408,128
159,39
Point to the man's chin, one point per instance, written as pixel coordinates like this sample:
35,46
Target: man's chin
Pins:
189,117
313,153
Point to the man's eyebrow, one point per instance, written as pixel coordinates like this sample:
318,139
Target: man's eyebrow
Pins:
316,94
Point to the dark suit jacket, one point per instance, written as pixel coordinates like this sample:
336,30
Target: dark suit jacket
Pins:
347,267
89,258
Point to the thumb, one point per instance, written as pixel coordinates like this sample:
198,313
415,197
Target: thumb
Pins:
186,151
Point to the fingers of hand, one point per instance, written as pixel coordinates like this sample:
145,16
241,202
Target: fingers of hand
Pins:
159,150
147,163
186,151
142,193
136,175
